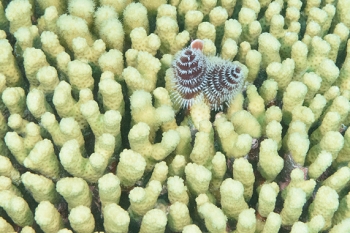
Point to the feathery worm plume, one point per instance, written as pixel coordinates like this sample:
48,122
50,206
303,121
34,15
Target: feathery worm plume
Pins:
197,76
190,70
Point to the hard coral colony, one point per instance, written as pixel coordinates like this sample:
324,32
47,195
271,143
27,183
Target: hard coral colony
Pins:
113,121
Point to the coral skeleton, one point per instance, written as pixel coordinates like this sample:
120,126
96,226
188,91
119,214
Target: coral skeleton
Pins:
167,116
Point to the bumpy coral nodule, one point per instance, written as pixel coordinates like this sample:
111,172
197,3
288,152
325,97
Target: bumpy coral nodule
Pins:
174,116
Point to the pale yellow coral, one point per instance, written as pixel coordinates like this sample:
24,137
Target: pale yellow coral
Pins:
90,169
293,97
168,32
140,41
14,99
68,69
112,61
243,172
139,142
118,5
242,119
160,172
70,27
246,221
232,199
143,199
298,181
83,9
164,9
48,21
229,49
75,191
15,144
154,221
293,206
18,13
26,37
201,153
218,171
130,168
343,155
324,206
6,184
338,180
16,208
48,217
206,30
282,73
80,76
192,20
214,218
43,159
177,166
142,110
66,105
272,224
109,189
5,226
130,22
40,187
197,178
84,52
37,103
331,142
116,219
270,163
48,79
141,74
267,199
7,169
66,130
81,219
269,48
177,191
42,4
109,122
179,216
234,144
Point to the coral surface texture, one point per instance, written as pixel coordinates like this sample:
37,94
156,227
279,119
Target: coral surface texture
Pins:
169,116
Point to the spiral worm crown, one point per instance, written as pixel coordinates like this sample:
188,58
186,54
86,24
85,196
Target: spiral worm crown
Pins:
189,71
197,76
223,80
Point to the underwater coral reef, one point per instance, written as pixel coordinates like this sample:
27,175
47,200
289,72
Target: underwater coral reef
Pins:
186,116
